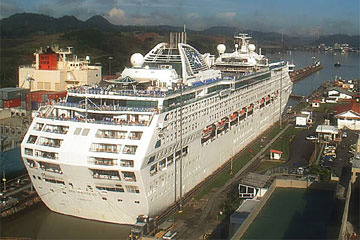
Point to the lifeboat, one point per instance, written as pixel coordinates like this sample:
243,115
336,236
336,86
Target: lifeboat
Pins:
233,116
207,131
222,123
267,98
242,112
250,107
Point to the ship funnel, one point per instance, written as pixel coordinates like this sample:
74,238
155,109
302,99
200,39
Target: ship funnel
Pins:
221,48
137,60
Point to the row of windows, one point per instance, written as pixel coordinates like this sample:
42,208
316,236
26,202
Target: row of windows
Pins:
110,162
43,154
116,134
113,148
45,141
166,162
46,166
58,129
113,175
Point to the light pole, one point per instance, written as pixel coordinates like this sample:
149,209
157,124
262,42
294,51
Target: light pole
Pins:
2,143
30,79
110,59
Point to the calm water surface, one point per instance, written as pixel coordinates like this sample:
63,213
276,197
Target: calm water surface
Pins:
39,222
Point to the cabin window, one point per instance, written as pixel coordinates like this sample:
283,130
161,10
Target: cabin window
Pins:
31,163
103,161
38,126
58,129
158,143
113,134
50,142
132,189
32,139
135,135
105,174
129,176
29,151
126,163
105,147
50,167
151,159
129,149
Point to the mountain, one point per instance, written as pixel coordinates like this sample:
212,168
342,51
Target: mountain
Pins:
100,22
330,40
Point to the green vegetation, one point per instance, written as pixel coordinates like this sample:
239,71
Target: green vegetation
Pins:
323,173
284,141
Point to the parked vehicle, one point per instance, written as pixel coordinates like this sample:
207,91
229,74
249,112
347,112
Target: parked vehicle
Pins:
311,138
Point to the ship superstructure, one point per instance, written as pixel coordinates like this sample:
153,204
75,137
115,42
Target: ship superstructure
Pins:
137,144
57,69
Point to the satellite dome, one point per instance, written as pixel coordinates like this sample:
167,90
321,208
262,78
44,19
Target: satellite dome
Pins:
137,60
221,48
252,47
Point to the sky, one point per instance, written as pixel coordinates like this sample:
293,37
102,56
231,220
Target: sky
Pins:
292,17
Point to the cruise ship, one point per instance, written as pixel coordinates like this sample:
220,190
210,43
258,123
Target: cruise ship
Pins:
137,144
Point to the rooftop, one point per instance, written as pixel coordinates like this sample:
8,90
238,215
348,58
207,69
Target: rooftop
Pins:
353,106
327,129
255,180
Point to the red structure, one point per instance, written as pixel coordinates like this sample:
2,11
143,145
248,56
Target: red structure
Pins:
48,60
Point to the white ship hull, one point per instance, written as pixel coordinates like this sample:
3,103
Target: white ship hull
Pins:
74,191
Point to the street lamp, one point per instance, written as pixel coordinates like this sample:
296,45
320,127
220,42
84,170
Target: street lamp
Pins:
110,59
30,79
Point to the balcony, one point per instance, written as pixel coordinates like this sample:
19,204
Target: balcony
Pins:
50,167
111,134
129,176
135,135
31,139
58,129
48,155
50,142
105,174
126,163
104,147
129,149
103,161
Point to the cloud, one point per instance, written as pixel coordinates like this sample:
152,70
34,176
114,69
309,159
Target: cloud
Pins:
226,15
116,16
8,8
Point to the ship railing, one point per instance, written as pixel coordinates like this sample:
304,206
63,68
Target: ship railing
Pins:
105,121
105,107
104,91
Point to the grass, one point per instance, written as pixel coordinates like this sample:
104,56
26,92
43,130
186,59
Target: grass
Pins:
266,166
284,141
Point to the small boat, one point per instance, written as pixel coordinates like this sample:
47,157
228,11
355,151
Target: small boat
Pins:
233,116
337,64
208,131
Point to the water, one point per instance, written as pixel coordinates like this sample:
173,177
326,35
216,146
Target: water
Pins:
295,214
39,222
